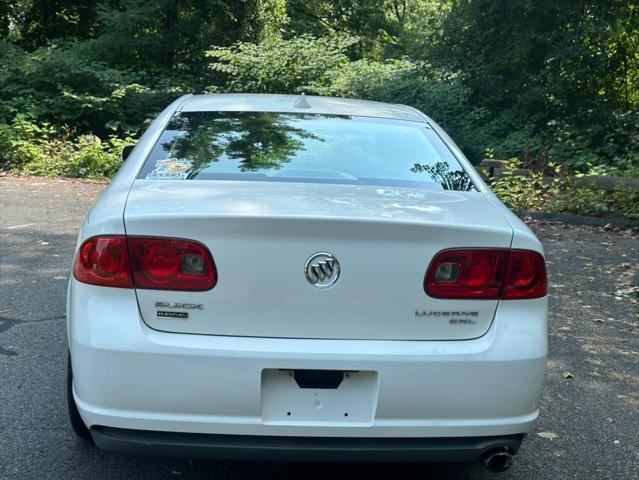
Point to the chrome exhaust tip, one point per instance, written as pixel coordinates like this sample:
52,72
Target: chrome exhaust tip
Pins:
498,460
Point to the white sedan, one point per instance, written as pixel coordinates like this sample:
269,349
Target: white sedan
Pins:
280,277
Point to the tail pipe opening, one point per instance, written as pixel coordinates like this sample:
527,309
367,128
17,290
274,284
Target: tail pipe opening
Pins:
498,459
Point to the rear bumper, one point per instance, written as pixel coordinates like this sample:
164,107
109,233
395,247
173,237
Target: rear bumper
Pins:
265,448
128,376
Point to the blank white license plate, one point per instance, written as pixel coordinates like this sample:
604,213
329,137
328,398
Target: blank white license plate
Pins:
353,402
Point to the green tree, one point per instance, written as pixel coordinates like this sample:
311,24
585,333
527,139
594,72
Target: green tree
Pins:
11,16
365,19
278,66
554,75
264,20
45,21
167,36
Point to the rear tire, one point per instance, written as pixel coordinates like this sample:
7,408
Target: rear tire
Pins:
77,424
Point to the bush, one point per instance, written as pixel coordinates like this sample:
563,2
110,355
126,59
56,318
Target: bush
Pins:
598,137
278,66
21,142
63,85
561,195
40,149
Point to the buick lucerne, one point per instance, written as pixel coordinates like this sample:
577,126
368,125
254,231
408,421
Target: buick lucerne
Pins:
304,278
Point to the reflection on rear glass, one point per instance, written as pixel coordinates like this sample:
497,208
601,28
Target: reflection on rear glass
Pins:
264,146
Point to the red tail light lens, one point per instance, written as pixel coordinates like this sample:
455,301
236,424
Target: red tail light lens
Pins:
526,276
145,262
171,264
474,274
486,274
103,261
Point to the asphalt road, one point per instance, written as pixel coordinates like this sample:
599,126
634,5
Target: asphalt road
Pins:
589,425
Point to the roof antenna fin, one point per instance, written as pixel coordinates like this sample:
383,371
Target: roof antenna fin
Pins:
302,102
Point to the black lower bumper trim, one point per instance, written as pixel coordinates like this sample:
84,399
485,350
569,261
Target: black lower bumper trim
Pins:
271,448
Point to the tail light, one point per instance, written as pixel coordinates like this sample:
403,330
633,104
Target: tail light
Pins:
171,264
103,261
145,262
487,274
526,276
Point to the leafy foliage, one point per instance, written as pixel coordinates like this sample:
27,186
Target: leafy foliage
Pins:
561,195
65,86
559,78
279,66
552,83
41,149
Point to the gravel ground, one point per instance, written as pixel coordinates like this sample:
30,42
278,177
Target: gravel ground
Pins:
589,425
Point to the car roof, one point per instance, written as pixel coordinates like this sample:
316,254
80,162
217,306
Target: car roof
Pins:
254,102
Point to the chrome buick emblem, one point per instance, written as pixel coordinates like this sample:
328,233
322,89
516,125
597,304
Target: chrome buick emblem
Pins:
322,270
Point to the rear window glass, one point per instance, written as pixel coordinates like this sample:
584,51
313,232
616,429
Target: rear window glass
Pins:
291,147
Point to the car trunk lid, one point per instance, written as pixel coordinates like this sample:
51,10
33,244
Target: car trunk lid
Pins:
262,234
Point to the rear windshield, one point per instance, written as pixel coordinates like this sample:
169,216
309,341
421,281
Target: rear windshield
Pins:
292,147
